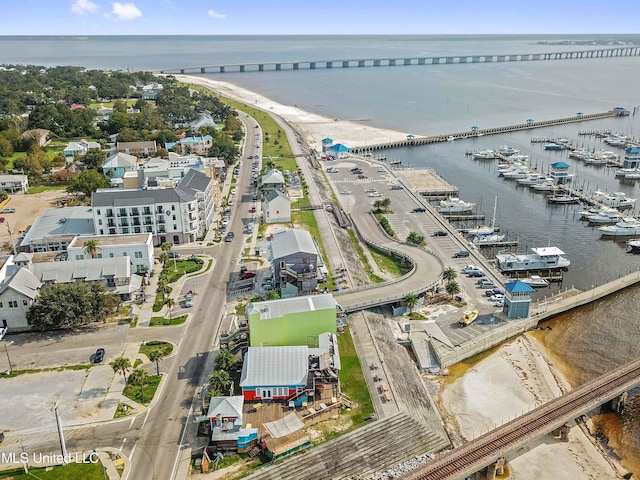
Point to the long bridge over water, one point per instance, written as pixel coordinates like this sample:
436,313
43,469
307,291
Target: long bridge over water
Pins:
626,51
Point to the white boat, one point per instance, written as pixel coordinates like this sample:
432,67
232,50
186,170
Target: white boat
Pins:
481,230
450,138
579,154
455,205
546,186
489,239
634,244
521,172
623,172
519,157
507,151
543,258
531,180
487,154
632,175
626,227
562,199
615,199
535,281
606,216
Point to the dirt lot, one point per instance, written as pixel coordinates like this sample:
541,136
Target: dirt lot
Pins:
28,208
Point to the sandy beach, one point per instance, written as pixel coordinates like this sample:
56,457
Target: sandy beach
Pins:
313,127
512,380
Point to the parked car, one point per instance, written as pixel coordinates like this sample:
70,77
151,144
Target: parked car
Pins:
468,268
461,254
382,170
229,237
173,254
487,283
345,192
495,298
495,291
419,209
475,273
99,355
230,203
8,210
188,300
396,187
234,191
225,222
440,233
247,274
375,194
362,177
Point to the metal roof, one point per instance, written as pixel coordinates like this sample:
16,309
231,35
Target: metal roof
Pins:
61,221
275,366
518,287
24,282
226,406
279,308
547,251
193,182
290,241
89,269
273,194
273,177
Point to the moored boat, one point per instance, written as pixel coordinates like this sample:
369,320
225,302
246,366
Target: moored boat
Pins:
468,317
535,281
507,151
562,199
455,205
634,245
615,199
487,154
626,227
543,258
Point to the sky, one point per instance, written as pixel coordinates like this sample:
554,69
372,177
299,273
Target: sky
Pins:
285,17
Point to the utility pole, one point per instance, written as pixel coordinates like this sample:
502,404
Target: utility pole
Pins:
6,350
63,446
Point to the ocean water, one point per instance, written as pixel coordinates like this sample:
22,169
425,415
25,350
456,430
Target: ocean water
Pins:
434,99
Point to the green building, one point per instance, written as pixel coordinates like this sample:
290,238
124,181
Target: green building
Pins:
291,321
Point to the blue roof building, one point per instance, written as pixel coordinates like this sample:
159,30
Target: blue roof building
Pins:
517,299
339,150
559,171
631,158
326,143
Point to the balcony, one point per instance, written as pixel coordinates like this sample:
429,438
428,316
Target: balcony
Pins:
136,221
111,223
135,212
122,214
147,211
124,223
109,214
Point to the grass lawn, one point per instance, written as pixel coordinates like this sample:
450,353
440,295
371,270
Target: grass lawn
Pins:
373,278
15,373
162,321
46,188
72,471
389,264
159,301
182,267
146,395
352,380
165,347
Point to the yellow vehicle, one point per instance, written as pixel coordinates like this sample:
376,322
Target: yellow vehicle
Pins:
468,317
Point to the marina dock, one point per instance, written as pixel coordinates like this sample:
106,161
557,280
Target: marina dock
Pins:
427,183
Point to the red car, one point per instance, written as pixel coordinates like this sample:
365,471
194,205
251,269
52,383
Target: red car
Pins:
247,274
362,176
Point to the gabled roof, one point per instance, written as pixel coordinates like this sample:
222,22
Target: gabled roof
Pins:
193,182
290,241
275,366
118,197
120,159
518,287
273,177
327,140
13,178
271,195
560,165
226,406
338,147
90,270
24,282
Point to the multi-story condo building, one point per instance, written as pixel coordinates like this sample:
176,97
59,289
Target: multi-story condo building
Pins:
177,215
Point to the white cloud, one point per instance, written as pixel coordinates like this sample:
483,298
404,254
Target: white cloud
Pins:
213,14
126,11
83,6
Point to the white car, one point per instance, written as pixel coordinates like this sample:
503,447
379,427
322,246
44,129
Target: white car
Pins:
499,303
225,222
375,194
234,191
469,268
382,170
345,192
230,203
497,297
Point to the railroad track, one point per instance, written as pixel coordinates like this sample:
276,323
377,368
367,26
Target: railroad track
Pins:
486,449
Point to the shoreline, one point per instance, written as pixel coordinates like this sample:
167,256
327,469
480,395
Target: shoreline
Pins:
518,376
312,126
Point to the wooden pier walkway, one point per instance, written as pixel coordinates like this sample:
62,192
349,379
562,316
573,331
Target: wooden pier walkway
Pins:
412,141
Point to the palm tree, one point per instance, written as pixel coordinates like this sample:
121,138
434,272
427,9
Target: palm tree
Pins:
155,356
122,365
170,303
453,288
411,300
91,248
415,238
162,283
224,360
219,380
385,203
378,205
449,274
139,376
163,257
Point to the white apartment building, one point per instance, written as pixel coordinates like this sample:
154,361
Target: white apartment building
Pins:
139,249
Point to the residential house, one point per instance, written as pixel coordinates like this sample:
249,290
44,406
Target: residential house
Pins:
138,247
151,91
117,164
204,120
76,106
18,290
14,183
272,180
291,321
187,145
139,149
227,434
291,374
178,214
276,207
54,230
296,263
78,149
40,135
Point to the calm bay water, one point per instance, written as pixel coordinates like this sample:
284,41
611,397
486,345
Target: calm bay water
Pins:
440,99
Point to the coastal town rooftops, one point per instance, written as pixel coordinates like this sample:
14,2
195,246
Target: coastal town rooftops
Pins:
273,194
193,182
275,366
278,308
226,406
120,159
105,240
273,177
24,282
290,241
122,197
89,270
61,221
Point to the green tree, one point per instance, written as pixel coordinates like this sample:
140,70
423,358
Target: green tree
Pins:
60,305
162,285
170,303
87,182
94,158
224,360
449,274
452,288
91,247
6,149
415,238
101,302
139,376
121,365
155,356
273,295
411,300
220,381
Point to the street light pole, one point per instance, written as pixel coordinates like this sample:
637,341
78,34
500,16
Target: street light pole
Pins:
63,446
6,350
